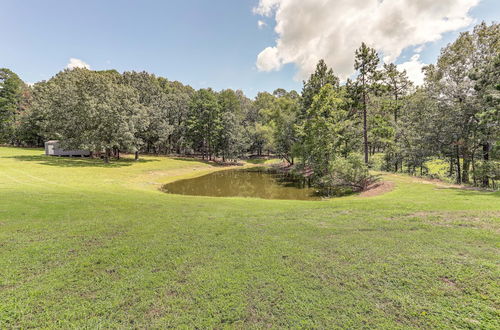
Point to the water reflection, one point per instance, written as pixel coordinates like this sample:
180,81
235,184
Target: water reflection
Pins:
258,183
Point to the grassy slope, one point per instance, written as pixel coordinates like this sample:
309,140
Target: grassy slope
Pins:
84,244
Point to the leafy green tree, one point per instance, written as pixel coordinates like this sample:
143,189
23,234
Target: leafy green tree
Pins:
486,80
285,127
321,76
421,132
327,128
204,122
261,129
450,83
88,110
12,89
177,101
28,122
231,135
153,125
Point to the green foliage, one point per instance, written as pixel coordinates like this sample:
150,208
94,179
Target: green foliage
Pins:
153,126
91,245
12,89
365,63
346,175
232,140
321,77
455,116
327,130
89,110
204,121
285,133
488,169
465,118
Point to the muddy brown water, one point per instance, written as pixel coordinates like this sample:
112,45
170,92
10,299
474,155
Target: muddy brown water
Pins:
259,183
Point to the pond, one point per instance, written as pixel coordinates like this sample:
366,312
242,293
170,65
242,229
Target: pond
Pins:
259,183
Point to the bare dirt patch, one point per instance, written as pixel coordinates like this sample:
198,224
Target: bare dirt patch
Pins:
378,188
449,281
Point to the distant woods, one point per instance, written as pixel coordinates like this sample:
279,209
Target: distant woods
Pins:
331,132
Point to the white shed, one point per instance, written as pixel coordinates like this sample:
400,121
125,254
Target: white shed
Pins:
53,148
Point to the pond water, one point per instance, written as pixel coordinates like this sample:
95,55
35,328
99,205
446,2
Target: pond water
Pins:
258,183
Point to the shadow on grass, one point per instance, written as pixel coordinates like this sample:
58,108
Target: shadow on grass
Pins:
472,191
204,161
79,162
256,160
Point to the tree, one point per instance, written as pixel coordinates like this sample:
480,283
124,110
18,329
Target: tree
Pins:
88,110
327,127
365,62
177,102
285,130
397,84
322,76
261,130
486,80
153,126
204,122
420,130
12,89
452,85
230,137
28,122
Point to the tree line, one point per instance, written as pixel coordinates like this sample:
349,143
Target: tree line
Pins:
330,132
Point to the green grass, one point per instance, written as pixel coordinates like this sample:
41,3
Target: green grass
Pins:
83,244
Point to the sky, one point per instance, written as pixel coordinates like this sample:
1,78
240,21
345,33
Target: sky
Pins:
253,45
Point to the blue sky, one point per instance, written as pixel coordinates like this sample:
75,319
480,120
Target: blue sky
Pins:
198,42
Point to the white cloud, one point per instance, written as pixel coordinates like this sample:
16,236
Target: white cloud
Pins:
309,30
77,63
269,60
413,69
266,7
261,24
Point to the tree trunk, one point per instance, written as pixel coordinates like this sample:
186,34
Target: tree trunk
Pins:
365,128
396,109
209,151
486,158
465,169
459,178
450,172
106,155
473,164
136,155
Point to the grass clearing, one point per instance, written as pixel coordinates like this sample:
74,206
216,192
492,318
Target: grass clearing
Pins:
84,244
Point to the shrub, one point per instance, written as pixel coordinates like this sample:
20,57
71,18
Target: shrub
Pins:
346,175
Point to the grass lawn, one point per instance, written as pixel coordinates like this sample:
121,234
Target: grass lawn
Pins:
84,244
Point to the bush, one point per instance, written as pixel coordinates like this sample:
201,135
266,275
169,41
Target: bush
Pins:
488,169
346,175
378,162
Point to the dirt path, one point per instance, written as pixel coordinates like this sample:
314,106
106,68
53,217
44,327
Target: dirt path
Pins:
378,188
